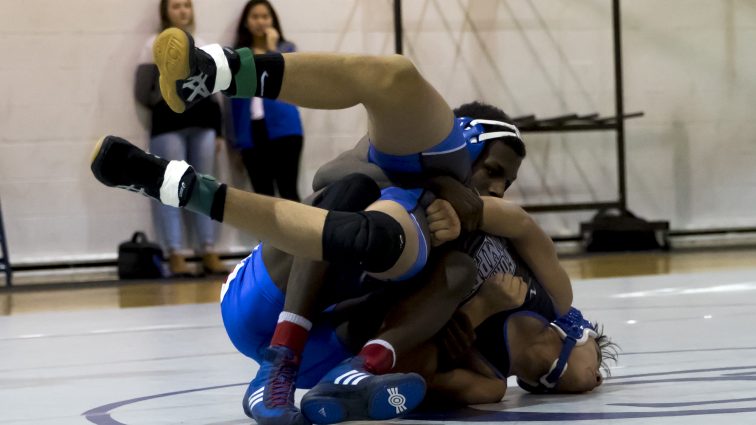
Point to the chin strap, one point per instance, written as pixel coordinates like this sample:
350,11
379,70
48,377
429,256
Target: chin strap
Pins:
575,331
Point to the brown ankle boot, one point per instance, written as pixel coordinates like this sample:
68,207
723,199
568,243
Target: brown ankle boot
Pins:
179,267
212,264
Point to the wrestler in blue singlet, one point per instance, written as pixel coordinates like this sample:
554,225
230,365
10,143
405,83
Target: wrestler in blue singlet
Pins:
251,302
250,306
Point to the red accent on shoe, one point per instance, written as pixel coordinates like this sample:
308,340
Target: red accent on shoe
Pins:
290,335
378,359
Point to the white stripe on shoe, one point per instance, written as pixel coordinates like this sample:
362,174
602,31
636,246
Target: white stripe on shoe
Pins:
255,398
169,190
357,381
253,401
222,69
346,375
353,377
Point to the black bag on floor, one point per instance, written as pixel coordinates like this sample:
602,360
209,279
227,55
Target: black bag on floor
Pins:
140,258
621,230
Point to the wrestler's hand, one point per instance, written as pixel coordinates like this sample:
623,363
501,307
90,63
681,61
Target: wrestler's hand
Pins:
443,222
457,337
502,292
466,202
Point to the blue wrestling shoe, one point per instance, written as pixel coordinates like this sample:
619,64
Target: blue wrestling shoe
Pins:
270,396
349,392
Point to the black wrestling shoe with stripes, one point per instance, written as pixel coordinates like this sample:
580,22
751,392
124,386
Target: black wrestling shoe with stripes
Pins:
189,74
118,163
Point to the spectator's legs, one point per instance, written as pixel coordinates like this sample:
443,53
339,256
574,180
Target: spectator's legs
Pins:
201,155
258,161
173,146
286,153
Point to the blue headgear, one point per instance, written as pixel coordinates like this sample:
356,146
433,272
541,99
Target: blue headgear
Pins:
574,331
477,131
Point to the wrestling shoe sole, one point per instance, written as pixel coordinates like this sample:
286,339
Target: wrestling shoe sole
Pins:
386,397
172,52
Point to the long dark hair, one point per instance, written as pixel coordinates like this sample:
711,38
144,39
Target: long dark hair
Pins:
244,35
165,22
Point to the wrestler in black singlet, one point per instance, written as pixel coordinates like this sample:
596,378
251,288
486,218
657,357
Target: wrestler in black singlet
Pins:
493,255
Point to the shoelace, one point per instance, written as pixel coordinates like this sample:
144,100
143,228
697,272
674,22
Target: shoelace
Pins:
281,384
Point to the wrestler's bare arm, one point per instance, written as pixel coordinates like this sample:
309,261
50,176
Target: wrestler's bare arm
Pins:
468,387
509,220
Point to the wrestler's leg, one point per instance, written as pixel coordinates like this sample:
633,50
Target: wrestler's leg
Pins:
419,316
305,278
410,318
405,113
356,389
383,239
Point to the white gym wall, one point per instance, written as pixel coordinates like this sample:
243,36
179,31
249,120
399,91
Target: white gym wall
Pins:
67,74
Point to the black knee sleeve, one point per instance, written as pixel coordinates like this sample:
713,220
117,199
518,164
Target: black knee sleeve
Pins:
270,71
351,193
370,238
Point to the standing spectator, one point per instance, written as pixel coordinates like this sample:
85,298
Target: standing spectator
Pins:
268,132
193,136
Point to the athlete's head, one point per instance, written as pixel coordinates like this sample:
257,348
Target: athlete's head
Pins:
498,160
256,17
581,361
177,13
587,362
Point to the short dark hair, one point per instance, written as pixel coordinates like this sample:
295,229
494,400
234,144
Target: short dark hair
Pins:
165,21
486,111
244,36
608,350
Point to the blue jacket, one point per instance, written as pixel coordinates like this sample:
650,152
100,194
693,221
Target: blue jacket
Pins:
281,119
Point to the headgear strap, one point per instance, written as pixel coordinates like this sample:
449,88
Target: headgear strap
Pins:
477,131
575,331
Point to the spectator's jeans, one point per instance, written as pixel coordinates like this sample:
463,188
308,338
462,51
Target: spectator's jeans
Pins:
197,147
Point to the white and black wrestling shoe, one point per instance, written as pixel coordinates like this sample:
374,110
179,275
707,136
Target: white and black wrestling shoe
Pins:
118,163
189,74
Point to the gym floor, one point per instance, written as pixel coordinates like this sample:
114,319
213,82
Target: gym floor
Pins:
156,352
